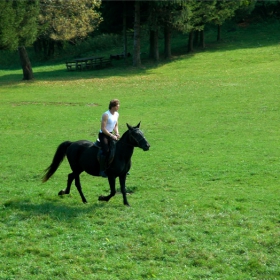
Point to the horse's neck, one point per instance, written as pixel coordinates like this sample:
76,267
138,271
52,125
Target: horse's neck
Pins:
124,147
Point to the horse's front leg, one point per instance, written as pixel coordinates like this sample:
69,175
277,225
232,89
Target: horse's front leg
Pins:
122,179
112,183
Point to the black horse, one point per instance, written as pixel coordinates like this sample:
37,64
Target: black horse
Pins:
82,156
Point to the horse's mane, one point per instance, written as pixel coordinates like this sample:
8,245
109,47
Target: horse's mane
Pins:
123,138
125,134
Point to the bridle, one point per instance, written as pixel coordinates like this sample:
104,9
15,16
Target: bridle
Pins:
137,139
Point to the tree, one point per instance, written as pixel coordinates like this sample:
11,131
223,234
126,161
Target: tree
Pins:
226,9
124,18
265,9
22,21
200,13
162,14
136,43
66,20
169,11
153,10
18,29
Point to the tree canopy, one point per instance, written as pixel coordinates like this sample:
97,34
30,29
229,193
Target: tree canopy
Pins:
67,20
18,23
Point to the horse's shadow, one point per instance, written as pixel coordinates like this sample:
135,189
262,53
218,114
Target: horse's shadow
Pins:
52,209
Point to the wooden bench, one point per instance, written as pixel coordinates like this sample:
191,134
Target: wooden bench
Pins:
70,65
92,64
119,56
99,63
106,62
116,56
88,63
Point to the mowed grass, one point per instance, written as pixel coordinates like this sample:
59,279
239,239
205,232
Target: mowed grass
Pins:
205,198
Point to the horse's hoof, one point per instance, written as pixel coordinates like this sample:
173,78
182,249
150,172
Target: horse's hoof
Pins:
103,198
62,192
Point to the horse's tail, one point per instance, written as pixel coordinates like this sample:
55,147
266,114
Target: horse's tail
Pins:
57,160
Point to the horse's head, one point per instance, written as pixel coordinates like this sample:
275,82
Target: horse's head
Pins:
137,138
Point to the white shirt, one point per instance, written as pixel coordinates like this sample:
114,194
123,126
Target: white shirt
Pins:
112,120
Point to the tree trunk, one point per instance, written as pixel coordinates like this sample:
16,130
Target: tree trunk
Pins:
167,41
151,55
219,32
25,64
154,54
45,43
202,39
124,32
51,48
190,44
196,38
136,45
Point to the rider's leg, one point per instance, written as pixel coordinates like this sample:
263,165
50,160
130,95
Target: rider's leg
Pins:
104,141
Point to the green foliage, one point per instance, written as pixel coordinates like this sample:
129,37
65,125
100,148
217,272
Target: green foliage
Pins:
68,20
7,17
93,45
18,23
225,10
9,59
194,15
205,198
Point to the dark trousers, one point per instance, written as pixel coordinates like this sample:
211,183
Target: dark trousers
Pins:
104,141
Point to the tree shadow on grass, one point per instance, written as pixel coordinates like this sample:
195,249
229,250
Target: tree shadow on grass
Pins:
61,74
49,76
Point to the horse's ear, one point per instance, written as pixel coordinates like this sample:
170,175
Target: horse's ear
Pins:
129,126
138,125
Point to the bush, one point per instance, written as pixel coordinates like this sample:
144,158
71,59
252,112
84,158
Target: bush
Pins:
9,59
94,44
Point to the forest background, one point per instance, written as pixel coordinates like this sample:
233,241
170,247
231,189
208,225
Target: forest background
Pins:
56,30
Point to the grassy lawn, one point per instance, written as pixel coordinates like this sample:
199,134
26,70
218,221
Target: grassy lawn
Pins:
205,198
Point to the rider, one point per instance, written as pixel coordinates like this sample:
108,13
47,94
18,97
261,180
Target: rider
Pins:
109,124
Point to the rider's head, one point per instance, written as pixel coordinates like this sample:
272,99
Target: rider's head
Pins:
113,103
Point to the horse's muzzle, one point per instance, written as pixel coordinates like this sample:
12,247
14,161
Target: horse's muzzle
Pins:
146,147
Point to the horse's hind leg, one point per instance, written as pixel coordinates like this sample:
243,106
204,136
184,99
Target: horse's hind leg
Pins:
79,187
71,177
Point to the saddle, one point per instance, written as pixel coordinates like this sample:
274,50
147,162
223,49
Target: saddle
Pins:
112,150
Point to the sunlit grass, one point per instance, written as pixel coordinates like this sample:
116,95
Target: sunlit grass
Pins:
205,201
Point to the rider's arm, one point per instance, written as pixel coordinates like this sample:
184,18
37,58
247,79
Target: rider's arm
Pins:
116,130
103,125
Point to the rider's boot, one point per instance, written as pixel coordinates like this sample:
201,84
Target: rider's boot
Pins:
102,163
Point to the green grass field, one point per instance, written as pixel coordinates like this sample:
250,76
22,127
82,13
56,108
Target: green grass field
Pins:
205,198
